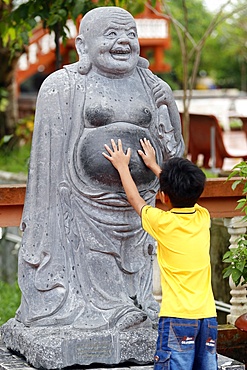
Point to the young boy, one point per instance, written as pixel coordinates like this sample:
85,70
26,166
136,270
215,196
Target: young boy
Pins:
187,332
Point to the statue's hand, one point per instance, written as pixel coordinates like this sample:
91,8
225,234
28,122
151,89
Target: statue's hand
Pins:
161,94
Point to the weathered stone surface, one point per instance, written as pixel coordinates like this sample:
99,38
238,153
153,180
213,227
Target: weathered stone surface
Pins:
9,361
85,260
58,347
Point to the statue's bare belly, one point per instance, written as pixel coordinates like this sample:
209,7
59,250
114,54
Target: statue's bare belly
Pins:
92,167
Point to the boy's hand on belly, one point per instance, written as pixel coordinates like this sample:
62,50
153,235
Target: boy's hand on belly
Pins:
117,157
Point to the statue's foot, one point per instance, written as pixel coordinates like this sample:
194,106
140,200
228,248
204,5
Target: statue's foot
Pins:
122,319
153,315
91,321
131,320
129,317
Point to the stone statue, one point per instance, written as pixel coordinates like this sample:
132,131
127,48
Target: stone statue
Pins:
85,261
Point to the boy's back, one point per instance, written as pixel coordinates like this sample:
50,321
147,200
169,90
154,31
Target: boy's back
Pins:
183,256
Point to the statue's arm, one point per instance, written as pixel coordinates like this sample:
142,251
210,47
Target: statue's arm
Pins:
163,95
169,123
45,169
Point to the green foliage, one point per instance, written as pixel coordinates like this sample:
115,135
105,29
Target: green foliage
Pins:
196,17
193,22
10,297
237,260
236,123
5,139
228,37
15,159
24,129
237,257
18,24
209,174
15,149
16,27
3,99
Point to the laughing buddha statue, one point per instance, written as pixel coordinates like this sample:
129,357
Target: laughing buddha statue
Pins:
85,260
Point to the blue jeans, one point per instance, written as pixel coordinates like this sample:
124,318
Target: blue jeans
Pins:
186,344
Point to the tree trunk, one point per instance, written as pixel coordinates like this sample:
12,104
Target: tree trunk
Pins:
8,117
186,123
9,59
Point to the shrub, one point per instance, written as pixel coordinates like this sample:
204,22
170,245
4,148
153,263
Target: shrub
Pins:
10,297
237,257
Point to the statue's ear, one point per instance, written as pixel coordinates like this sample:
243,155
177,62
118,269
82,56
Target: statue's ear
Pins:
84,64
143,63
80,46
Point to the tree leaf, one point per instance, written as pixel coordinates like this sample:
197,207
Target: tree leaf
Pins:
236,276
235,184
240,265
227,272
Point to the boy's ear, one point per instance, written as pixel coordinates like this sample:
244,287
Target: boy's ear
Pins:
164,198
167,199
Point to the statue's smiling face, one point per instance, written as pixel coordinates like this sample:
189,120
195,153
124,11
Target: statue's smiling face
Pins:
112,44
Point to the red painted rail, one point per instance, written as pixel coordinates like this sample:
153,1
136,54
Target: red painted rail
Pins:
218,197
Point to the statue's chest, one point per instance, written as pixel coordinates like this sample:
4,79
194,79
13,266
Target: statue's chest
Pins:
117,101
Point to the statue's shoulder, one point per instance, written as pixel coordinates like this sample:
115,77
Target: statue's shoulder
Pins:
54,80
71,69
147,75
67,72
64,77
154,79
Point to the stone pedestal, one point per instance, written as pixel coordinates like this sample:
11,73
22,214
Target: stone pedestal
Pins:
9,361
59,347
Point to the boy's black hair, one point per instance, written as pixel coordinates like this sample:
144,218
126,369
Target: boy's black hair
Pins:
182,181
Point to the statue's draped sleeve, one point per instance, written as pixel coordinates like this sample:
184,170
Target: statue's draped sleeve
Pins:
42,258
168,128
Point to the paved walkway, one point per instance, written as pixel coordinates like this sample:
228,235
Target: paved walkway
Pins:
10,361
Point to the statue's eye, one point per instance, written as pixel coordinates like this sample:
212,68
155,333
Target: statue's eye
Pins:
132,34
111,34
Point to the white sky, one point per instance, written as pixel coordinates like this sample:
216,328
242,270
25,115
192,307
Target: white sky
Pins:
214,5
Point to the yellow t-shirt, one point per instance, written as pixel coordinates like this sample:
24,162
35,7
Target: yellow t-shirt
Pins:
183,238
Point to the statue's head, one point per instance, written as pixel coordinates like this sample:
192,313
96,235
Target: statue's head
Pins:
108,41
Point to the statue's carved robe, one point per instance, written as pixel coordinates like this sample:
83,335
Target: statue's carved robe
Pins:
85,259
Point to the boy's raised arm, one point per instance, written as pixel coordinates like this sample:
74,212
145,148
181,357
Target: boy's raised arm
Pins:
120,161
